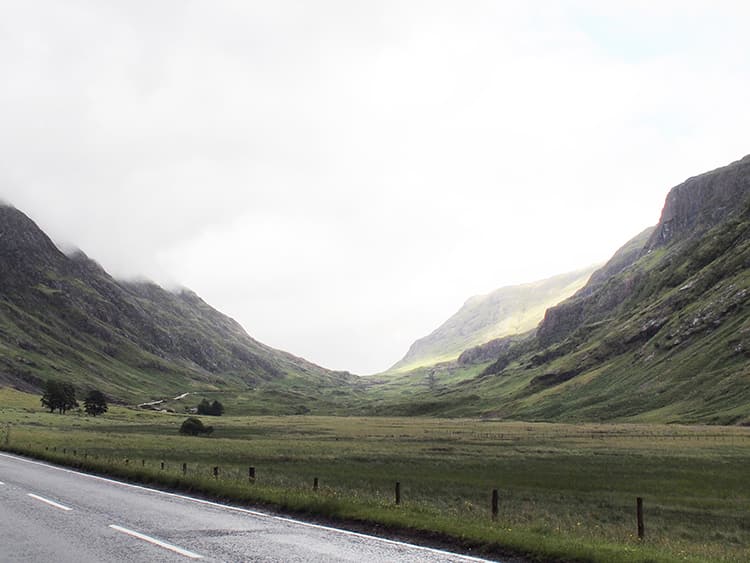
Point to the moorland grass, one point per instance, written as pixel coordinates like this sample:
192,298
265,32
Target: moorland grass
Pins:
567,492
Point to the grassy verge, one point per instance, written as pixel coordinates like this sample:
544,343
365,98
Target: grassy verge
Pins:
567,492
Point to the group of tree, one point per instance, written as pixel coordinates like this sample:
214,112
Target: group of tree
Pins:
194,427
60,396
211,409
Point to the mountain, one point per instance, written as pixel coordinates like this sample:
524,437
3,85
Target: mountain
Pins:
506,311
64,316
659,333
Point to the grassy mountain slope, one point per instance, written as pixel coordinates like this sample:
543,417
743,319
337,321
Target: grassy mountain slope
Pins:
64,316
660,333
504,312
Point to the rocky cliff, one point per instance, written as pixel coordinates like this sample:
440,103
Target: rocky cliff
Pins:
702,202
691,208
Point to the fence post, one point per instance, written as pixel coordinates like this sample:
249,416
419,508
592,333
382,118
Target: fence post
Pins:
127,461
398,492
162,465
315,484
251,474
639,517
495,498
184,468
216,472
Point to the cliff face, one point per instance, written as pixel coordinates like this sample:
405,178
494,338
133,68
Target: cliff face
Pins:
691,208
702,202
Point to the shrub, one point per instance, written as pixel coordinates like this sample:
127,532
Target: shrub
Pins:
194,427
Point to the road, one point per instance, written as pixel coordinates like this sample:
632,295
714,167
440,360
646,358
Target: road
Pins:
50,513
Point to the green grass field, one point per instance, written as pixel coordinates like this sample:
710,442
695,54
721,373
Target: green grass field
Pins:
567,492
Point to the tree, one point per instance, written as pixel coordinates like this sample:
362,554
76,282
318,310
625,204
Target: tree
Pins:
210,409
194,426
95,403
59,396
217,409
204,407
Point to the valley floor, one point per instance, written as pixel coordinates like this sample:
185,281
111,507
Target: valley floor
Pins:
566,491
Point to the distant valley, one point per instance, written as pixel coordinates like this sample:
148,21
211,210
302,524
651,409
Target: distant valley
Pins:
660,333
504,312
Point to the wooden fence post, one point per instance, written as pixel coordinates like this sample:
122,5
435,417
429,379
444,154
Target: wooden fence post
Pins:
184,468
216,472
315,484
495,498
398,492
639,517
251,474
162,465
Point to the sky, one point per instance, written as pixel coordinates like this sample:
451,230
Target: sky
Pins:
340,176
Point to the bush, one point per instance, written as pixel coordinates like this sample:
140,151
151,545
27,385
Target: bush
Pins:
194,427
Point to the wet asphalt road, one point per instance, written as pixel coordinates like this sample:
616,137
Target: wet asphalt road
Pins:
50,513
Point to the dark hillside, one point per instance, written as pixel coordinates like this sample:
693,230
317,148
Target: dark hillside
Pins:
65,316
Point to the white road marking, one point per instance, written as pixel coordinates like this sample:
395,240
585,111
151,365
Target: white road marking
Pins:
50,502
255,512
154,541
1,483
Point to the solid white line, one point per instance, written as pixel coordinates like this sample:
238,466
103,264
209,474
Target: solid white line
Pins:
154,541
50,502
254,512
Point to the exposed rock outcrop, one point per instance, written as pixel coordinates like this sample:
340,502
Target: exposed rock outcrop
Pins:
701,202
691,208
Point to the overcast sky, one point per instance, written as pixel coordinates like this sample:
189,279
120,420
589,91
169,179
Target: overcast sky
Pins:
341,176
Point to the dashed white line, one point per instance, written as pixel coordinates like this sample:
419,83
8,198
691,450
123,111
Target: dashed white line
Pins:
50,502
154,541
